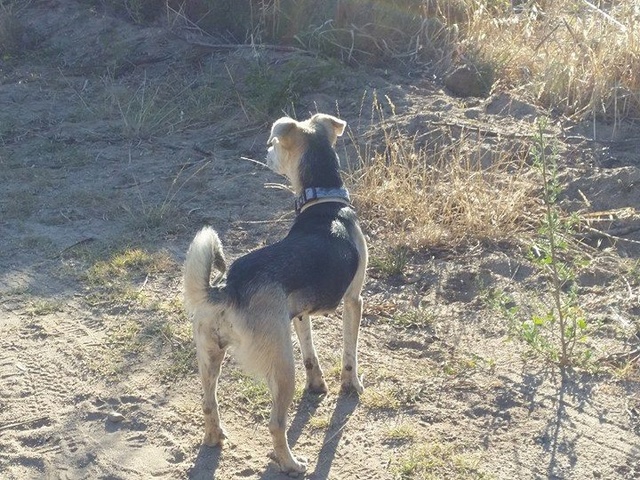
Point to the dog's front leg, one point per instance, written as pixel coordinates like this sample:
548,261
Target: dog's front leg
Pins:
315,377
350,328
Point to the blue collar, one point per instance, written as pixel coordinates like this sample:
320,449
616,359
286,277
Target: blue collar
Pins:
310,195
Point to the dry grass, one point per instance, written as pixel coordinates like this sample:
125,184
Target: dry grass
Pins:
435,196
579,60
580,57
434,460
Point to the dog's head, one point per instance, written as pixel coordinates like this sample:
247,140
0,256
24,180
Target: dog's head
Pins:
300,150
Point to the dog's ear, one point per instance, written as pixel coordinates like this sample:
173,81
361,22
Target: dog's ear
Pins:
281,132
334,126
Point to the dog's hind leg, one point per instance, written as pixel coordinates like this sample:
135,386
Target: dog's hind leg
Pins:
281,382
315,378
210,357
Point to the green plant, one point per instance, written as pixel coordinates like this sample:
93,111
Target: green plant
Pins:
434,460
413,318
252,394
392,262
403,432
383,397
320,422
500,301
44,307
562,324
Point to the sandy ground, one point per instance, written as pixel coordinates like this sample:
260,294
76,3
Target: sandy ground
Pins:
100,196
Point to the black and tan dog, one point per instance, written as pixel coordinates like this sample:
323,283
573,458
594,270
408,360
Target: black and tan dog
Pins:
320,262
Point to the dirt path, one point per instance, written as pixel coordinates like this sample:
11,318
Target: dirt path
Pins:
100,195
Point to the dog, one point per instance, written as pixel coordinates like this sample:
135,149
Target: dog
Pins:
321,262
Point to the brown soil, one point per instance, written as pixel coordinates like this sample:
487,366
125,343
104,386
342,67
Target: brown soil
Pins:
97,374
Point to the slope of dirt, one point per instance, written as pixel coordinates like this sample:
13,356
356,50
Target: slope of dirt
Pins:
104,181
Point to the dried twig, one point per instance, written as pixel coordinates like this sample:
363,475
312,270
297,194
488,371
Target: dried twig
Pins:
613,234
623,357
73,245
248,46
10,426
257,162
605,15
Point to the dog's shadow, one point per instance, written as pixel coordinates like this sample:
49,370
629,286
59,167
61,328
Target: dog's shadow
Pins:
345,406
206,463
208,459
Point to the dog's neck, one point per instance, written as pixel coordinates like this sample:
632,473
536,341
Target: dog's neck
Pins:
315,195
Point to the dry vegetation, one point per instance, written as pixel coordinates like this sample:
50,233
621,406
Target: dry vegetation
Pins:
435,195
486,279
577,59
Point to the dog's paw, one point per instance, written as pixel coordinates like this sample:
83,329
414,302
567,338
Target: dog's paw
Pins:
352,385
215,437
294,468
318,387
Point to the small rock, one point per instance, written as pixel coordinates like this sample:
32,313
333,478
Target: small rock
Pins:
468,82
247,472
472,113
505,104
115,417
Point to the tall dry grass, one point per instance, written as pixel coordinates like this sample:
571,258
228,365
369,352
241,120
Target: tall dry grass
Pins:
581,59
441,196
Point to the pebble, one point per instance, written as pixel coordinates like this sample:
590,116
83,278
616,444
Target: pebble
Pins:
115,417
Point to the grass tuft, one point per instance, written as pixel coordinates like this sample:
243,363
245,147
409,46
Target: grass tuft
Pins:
401,433
382,397
583,62
427,195
431,461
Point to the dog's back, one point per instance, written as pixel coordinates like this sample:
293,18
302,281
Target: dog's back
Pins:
314,264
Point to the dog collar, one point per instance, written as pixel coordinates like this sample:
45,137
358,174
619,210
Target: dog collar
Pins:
314,195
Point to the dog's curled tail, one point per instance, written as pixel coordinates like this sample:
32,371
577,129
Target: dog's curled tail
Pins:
204,253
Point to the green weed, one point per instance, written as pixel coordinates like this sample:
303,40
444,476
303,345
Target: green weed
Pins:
42,307
403,432
413,318
383,396
320,422
253,395
552,253
392,262
435,461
